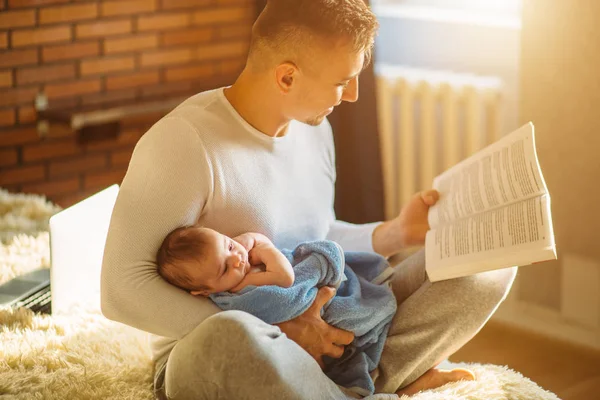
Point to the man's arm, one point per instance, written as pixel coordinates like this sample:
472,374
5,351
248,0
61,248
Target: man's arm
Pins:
352,237
390,237
166,186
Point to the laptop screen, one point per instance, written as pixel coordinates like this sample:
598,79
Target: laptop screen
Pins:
77,238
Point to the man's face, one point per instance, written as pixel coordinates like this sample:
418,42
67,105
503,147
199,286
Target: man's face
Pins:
329,78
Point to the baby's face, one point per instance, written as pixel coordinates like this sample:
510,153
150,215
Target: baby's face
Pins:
227,263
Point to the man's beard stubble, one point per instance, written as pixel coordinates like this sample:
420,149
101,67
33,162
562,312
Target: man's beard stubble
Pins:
314,121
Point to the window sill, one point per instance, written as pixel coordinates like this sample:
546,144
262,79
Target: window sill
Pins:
438,14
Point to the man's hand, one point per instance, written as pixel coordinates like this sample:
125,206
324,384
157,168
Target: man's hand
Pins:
407,229
413,218
313,334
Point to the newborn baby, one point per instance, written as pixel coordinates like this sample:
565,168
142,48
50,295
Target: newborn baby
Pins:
204,261
207,263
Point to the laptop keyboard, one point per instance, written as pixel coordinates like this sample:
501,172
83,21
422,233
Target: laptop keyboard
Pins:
39,302
31,290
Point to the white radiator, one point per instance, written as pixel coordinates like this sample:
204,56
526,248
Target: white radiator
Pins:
429,121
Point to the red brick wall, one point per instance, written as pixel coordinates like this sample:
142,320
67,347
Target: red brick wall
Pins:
90,53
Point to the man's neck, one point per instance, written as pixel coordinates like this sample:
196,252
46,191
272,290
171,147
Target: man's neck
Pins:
256,105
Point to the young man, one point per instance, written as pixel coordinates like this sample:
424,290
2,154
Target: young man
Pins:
259,156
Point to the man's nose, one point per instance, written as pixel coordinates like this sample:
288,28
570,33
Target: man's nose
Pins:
351,92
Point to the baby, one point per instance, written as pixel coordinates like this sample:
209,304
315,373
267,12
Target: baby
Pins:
207,263
204,261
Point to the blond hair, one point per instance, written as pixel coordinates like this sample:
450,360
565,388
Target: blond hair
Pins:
287,28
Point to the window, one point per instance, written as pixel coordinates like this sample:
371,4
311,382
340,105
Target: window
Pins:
505,7
503,13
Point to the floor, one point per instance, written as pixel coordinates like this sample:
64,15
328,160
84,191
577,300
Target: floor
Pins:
572,372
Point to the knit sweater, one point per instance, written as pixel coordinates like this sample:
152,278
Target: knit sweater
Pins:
203,163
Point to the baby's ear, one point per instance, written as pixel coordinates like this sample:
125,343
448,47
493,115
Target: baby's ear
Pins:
203,293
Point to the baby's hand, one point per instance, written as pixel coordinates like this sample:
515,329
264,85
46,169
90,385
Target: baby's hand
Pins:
251,258
275,268
260,253
245,240
251,240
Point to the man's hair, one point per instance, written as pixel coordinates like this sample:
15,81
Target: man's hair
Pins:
288,27
181,248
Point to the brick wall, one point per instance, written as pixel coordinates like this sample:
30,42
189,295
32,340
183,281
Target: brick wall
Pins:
91,53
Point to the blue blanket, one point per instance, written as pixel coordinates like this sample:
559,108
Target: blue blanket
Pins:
360,306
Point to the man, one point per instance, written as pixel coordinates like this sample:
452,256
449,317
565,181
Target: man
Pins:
259,156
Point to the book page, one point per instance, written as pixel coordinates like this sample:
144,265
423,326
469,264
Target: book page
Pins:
516,234
503,173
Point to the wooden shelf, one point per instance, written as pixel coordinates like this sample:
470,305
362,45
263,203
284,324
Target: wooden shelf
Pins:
105,120
77,119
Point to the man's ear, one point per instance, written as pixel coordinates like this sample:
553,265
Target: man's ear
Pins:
202,292
286,73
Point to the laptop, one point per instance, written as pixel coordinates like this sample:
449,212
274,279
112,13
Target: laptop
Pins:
30,290
77,239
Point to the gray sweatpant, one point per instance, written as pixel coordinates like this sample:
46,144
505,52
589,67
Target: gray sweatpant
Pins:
234,355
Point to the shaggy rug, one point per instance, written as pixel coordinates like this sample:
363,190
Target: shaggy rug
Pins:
86,356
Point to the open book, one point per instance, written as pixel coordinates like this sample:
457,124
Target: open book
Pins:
493,212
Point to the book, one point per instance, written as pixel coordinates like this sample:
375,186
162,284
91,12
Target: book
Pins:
493,211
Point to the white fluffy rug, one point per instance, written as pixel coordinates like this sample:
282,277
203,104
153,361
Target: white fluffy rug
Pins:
86,356
23,233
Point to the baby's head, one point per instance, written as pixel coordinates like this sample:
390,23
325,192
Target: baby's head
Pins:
201,260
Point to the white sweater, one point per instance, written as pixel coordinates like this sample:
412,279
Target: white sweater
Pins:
204,163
